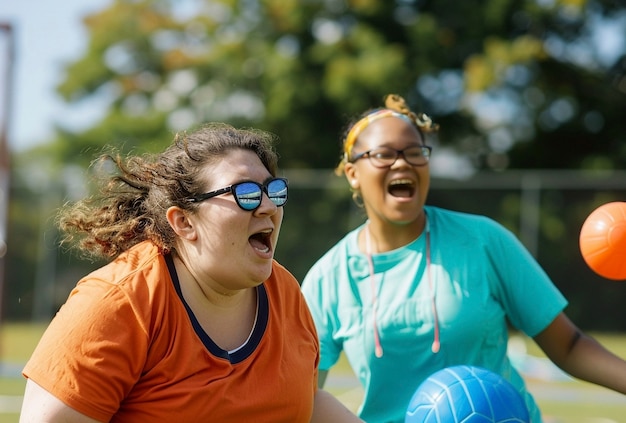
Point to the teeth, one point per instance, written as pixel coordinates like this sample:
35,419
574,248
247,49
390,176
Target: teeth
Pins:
401,182
261,240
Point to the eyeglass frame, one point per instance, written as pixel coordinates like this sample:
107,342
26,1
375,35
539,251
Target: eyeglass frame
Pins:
367,154
232,189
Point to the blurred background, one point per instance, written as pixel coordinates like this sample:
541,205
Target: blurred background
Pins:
530,96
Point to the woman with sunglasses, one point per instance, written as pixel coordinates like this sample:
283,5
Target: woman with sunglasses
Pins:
192,320
417,288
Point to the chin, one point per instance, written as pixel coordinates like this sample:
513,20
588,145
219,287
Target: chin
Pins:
402,220
261,276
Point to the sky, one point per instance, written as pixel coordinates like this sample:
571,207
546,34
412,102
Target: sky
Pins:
46,35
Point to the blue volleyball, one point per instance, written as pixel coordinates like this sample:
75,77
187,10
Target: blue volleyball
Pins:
466,394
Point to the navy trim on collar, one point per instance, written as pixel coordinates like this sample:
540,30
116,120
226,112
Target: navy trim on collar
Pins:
257,332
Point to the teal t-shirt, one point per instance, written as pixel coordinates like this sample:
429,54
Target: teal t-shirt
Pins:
481,277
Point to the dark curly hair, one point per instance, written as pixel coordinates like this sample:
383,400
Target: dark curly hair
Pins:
132,202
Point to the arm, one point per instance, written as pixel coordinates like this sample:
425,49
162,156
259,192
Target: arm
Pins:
328,409
40,406
321,378
581,356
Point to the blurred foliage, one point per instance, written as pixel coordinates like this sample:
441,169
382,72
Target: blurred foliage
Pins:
514,84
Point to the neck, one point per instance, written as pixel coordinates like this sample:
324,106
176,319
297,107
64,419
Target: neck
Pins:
207,292
386,237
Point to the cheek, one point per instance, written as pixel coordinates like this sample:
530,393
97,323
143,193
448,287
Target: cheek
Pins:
372,185
278,216
277,220
224,226
424,179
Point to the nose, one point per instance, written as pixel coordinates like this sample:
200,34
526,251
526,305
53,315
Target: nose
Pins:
400,155
267,206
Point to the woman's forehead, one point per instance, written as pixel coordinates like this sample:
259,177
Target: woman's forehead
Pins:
389,130
235,165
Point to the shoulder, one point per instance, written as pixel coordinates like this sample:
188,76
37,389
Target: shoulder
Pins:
462,222
339,252
332,272
471,232
142,262
437,213
282,282
135,281
281,274
283,291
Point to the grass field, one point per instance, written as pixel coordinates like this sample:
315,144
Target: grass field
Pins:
17,341
561,400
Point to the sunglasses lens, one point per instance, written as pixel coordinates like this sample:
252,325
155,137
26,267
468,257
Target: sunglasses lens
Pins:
248,195
277,191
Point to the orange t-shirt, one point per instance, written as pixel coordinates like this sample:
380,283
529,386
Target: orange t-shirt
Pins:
126,348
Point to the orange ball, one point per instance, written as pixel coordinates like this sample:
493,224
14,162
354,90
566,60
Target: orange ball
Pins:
603,240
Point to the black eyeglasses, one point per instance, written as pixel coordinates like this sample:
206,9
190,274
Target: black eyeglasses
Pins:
385,156
249,194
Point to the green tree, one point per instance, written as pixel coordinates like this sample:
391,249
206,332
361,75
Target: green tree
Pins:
509,81
514,84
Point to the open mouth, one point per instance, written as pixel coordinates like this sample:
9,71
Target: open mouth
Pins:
261,241
401,188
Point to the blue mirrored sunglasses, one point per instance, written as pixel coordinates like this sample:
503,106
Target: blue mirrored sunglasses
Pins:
249,194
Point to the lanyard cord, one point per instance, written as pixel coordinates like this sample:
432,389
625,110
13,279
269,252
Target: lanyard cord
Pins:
368,242
377,344
433,294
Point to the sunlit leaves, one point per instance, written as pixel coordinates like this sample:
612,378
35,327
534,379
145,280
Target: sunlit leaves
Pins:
492,73
489,69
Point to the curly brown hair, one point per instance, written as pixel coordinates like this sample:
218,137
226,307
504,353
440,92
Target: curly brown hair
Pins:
131,204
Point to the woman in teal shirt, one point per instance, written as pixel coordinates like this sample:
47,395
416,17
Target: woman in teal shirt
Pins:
417,288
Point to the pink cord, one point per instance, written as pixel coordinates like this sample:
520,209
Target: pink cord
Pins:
436,344
377,344
378,347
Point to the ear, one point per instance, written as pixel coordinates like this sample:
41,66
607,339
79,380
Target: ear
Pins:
180,223
351,175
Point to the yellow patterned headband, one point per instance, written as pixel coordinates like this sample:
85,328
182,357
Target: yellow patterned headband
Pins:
358,127
395,106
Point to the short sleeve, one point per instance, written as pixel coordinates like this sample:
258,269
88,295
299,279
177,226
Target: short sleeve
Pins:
527,293
93,350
